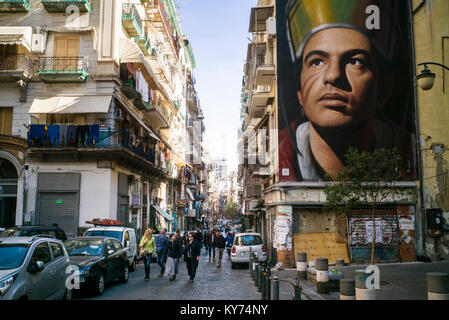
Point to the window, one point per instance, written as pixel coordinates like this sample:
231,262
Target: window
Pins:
6,121
249,240
117,245
126,236
57,250
104,233
41,253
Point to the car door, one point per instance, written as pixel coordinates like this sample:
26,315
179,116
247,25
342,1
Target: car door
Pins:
111,260
41,284
60,264
121,256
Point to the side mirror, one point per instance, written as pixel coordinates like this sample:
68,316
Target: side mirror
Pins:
110,251
37,267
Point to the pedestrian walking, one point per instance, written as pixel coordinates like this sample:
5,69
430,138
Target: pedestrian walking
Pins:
161,250
199,236
146,250
210,236
219,244
229,242
192,253
173,254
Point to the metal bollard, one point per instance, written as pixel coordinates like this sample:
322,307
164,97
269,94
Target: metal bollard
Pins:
297,293
250,265
275,288
301,265
322,276
259,278
347,289
437,286
263,280
256,272
361,292
268,285
254,263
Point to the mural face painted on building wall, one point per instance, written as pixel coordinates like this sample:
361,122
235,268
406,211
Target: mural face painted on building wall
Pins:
344,80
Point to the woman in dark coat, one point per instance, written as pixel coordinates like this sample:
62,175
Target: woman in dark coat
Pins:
192,253
174,252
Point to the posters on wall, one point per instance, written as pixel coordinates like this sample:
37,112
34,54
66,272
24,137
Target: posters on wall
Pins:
344,80
282,233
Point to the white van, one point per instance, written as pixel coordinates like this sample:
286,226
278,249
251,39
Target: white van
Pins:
126,236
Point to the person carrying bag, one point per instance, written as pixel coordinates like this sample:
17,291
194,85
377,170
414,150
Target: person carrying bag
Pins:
147,247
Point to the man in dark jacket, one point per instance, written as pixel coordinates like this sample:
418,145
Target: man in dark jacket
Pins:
192,253
209,241
219,244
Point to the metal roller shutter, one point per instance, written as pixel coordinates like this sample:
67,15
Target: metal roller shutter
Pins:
60,208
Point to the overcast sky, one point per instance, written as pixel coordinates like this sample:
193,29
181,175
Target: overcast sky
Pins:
218,32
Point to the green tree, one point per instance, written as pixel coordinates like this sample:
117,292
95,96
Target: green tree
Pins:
366,180
230,210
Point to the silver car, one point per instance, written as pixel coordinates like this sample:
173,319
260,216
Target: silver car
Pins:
33,268
241,248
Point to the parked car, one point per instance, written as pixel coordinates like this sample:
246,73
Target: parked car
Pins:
100,260
127,236
30,231
33,268
2,229
241,247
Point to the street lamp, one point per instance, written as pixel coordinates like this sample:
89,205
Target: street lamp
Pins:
426,78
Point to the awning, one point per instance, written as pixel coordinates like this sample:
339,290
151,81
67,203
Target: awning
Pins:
71,104
190,193
259,16
163,213
16,35
129,51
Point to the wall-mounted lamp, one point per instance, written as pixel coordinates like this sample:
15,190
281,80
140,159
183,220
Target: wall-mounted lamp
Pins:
426,78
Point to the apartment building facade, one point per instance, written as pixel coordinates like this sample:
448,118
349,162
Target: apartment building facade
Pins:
93,99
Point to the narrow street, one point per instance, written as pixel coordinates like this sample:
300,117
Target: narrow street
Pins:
211,283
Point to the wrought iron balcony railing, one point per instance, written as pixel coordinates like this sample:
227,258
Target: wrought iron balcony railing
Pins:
18,63
63,69
131,20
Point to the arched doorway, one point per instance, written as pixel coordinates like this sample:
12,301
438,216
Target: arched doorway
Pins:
8,193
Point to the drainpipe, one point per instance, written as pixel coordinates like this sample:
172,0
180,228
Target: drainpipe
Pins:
418,136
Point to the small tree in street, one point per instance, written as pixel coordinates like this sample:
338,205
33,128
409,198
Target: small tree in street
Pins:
230,210
367,179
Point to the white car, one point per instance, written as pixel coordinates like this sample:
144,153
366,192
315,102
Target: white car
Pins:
241,247
126,236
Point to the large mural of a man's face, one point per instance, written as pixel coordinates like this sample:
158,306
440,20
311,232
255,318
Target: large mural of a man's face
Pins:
345,80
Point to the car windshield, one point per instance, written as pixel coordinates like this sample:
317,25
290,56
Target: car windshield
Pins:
249,240
104,233
12,256
83,247
11,233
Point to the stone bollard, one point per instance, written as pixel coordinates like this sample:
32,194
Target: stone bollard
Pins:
322,276
268,285
361,292
340,262
301,265
437,286
275,288
347,289
250,268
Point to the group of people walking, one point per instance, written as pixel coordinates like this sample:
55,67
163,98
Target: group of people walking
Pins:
169,250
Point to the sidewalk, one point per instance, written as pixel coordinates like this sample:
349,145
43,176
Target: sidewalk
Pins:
398,281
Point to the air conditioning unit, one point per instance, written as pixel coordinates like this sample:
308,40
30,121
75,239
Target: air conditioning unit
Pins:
37,43
131,179
119,115
271,27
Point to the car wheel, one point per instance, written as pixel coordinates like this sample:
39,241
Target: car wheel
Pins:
132,267
125,275
100,284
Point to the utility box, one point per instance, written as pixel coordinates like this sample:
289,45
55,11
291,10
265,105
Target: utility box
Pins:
37,43
435,222
271,27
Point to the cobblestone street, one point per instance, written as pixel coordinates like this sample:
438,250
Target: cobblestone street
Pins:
211,283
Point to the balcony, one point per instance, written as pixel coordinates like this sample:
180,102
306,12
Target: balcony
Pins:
89,142
158,115
143,44
14,6
60,6
18,67
130,91
131,21
192,99
258,102
63,69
